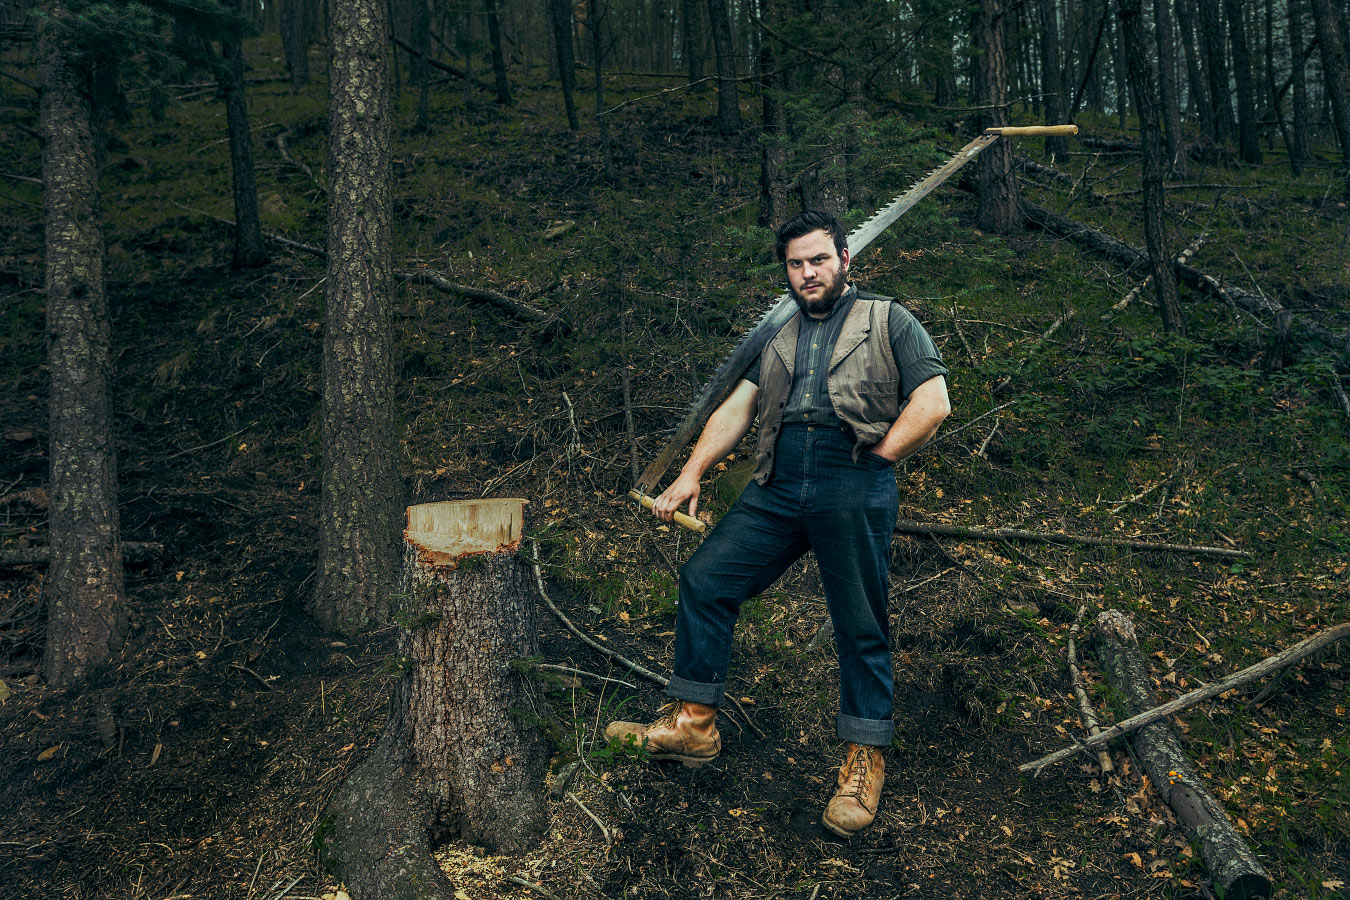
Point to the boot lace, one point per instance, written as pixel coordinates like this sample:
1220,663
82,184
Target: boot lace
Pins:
860,773
668,714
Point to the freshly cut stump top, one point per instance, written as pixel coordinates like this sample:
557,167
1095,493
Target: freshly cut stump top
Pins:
447,531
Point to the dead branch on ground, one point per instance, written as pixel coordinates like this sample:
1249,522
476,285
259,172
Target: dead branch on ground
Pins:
1186,701
970,532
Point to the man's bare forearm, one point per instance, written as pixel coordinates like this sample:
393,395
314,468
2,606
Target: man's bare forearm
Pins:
726,427
928,406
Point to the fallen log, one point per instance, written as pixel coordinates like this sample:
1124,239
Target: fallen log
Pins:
907,526
460,753
1182,258
1252,673
440,66
1120,252
1232,865
1073,184
132,552
518,308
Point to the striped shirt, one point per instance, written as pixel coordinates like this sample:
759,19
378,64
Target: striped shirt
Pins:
916,357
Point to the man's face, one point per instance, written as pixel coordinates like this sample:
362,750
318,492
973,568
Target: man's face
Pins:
817,275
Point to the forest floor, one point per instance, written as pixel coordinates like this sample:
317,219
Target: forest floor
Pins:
229,717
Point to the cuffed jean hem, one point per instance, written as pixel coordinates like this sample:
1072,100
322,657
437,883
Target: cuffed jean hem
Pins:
875,732
695,691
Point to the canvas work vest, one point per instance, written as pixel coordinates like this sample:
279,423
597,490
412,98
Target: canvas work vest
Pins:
863,380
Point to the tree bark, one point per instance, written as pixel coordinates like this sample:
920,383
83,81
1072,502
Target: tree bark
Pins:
772,154
1211,34
419,71
691,39
1154,165
1337,71
1000,205
358,528
86,610
498,57
1232,865
459,756
1249,138
250,248
560,17
1300,153
595,22
1052,78
728,94
1197,77
295,31
1167,88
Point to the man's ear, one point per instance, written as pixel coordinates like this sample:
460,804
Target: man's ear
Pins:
844,258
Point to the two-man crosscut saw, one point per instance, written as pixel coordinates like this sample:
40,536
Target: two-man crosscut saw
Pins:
754,341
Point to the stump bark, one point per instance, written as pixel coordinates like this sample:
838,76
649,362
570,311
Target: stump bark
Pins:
1231,863
461,755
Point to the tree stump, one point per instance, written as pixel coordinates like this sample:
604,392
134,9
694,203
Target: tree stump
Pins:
461,755
1232,865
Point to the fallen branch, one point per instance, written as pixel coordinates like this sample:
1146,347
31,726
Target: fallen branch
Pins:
517,308
955,431
1035,168
614,654
1120,252
906,526
285,152
551,667
1186,701
132,552
1232,866
1080,691
1182,258
1045,336
437,64
609,839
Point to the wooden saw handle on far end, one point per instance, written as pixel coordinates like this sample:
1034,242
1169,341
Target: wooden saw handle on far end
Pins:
680,518
1033,130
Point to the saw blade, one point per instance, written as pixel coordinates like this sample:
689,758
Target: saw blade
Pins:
752,343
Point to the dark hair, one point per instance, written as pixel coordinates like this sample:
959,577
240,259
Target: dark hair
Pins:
805,223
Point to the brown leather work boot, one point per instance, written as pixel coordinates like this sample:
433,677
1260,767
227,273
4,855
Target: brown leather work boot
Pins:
683,731
854,804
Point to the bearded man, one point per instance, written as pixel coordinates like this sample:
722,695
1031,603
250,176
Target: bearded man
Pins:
849,386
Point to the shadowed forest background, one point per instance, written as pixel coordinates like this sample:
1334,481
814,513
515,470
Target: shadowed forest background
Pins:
270,274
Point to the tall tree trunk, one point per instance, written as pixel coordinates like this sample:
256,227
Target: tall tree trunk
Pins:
772,154
691,38
1211,33
250,249
595,22
1337,70
560,17
361,490
498,57
295,32
1197,78
86,608
1274,92
1000,205
1249,137
1300,144
1052,78
728,94
1167,86
419,70
1155,164
1119,74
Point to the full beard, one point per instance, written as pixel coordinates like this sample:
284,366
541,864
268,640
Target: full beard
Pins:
826,301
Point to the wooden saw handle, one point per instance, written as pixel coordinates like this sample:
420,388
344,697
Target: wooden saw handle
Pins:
680,518
1034,130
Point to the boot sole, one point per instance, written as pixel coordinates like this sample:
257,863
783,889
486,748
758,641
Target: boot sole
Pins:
842,832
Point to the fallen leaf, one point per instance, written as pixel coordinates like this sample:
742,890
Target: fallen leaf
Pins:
48,753
4,691
1134,858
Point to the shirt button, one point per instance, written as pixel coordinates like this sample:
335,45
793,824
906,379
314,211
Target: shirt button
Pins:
815,346
812,372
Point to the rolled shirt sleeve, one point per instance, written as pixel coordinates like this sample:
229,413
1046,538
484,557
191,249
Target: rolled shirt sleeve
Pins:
916,356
